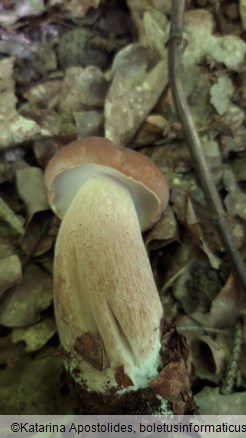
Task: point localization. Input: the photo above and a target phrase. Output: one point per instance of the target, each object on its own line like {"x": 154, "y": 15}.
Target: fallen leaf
{"x": 24, "y": 303}
{"x": 10, "y": 273}
{"x": 128, "y": 104}
{"x": 78, "y": 8}
{"x": 90, "y": 347}
{"x": 31, "y": 188}
{"x": 221, "y": 93}
{"x": 211, "y": 402}
{"x": 225, "y": 307}
{"x": 34, "y": 387}
{"x": 172, "y": 381}
{"x": 164, "y": 232}
{"x": 10, "y": 224}
{"x": 36, "y": 335}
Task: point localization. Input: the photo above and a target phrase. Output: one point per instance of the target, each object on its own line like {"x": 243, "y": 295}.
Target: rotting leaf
{"x": 173, "y": 157}
{"x": 36, "y": 335}
{"x": 74, "y": 49}
{"x": 7, "y": 247}
{"x": 79, "y": 9}
{"x": 10, "y": 224}
{"x": 197, "y": 84}
{"x": 37, "y": 240}
{"x": 132, "y": 62}
{"x": 213, "y": 157}
{"x": 242, "y": 9}
{"x": 24, "y": 303}
{"x": 235, "y": 200}
{"x": 34, "y": 387}
{"x": 228, "y": 49}
{"x": 10, "y": 354}
{"x": 46, "y": 148}
{"x": 82, "y": 90}
{"x": 6, "y": 77}
{"x": 31, "y": 188}
{"x": 156, "y": 30}
{"x": 14, "y": 129}
{"x": 89, "y": 123}
{"x": 225, "y": 307}
{"x": 179, "y": 261}
{"x": 128, "y": 103}
{"x": 209, "y": 356}
{"x": 139, "y": 7}
{"x": 199, "y": 24}
{"x": 196, "y": 231}
{"x": 10, "y": 273}
{"x": 45, "y": 95}
{"x": 238, "y": 167}
{"x": 197, "y": 286}
{"x": 221, "y": 93}
{"x": 164, "y": 232}
{"x": 211, "y": 402}
{"x": 172, "y": 381}
{"x": 154, "y": 128}
{"x": 47, "y": 120}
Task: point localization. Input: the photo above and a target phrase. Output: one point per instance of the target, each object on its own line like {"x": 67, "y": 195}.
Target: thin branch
{"x": 218, "y": 214}
{"x": 232, "y": 367}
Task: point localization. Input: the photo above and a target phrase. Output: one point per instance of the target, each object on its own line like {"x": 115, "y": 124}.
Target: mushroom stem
{"x": 107, "y": 306}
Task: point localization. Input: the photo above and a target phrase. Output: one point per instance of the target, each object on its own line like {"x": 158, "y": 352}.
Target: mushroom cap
{"x": 72, "y": 165}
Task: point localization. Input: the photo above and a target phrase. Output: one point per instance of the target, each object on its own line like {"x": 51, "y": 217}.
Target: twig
{"x": 231, "y": 372}
{"x": 197, "y": 328}
{"x": 218, "y": 216}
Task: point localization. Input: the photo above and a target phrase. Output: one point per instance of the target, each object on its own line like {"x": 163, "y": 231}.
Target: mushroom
{"x": 107, "y": 306}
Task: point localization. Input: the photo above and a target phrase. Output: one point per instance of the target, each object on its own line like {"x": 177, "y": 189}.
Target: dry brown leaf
{"x": 172, "y": 381}
{"x": 90, "y": 347}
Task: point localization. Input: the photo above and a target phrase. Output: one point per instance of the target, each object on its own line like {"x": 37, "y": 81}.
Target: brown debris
{"x": 121, "y": 378}
{"x": 90, "y": 347}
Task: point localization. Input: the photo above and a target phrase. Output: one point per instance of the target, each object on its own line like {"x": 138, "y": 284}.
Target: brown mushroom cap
{"x": 72, "y": 165}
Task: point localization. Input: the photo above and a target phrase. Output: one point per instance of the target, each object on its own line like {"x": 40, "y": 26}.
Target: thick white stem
{"x": 104, "y": 285}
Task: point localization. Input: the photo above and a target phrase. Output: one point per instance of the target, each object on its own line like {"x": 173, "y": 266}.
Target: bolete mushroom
{"x": 107, "y": 306}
